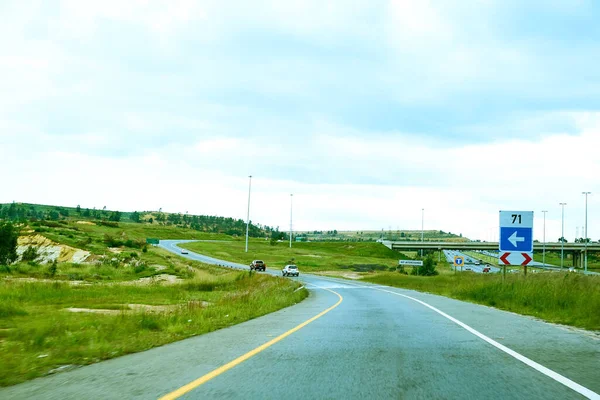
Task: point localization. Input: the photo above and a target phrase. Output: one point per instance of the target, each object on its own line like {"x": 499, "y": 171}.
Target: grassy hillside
{"x": 309, "y": 256}
{"x": 371, "y": 236}
{"x": 23, "y": 212}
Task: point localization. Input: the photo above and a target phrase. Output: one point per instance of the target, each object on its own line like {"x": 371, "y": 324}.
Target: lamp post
{"x": 248, "y": 215}
{"x": 586, "y": 234}
{"x": 422, "y": 222}
{"x": 544, "y": 238}
{"x": 291, "y": 198}
{"x": 562, "y": 235}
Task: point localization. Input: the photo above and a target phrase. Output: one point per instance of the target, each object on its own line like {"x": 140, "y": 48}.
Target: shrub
{"x": 30, "y": 254}
{"x": 53, "y": 268}
{"x": 427, "y": 269}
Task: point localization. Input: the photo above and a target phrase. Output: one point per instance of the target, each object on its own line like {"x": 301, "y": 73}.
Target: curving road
{"x": 366, "y": 342}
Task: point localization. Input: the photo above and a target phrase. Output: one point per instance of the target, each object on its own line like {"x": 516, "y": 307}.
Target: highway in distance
{"x": 350, "y": 340}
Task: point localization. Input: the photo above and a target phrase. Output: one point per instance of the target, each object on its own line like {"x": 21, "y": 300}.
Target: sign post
{"x": 458, "y": 262}
{"x": 516, "y": 238}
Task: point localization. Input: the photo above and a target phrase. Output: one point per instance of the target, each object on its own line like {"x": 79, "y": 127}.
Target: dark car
{"x": 258, "y": 265}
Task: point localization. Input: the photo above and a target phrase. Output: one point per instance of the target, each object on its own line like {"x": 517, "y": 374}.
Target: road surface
{"x": 363, "y": 341}
{"x": 469, "y": 262}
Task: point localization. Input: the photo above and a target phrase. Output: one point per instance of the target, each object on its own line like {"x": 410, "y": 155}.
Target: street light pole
{"x": 291, "y": 197}
{"x": 422, "y": 222}
{"x": 562, "y": 235}
{"x": 586, "y": 234}
{"x": 544, "y": 247}
{"x": 248, "y": 215}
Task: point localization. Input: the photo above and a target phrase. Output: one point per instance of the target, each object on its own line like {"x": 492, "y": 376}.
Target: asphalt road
{"x": 373, "y": 342}
{"x": 469, "y": 262}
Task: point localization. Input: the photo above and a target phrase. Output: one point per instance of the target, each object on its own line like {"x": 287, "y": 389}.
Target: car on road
{"x": 290, "y": 270}
{"x": 258, "y": 265}
{"x": 184, "y": 251}
{"x": 486, "y": 269}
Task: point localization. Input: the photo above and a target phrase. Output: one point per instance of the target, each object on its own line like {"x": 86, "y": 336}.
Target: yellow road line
{"x": 194, "y": 384}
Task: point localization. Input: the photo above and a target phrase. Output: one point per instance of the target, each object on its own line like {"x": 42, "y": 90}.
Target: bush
{"x": 30, "y": 254}
{"x": 52, "y": 269}
{"x": 427, "y": 269}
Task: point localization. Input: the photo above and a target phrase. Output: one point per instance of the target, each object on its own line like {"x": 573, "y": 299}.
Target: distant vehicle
{"x": 477, "y": 262}
{"x": 258, "y": 265}
{"x": 184, "y": 251}
{"x": 467, "y": 269}
{"x": 572, "y": 269}
{"x": 290, "y": 270}
{"x": 486, "y": 269}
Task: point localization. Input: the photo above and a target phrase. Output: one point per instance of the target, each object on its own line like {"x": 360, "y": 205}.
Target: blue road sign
{"x": 458, "y": 260}
{"x": 516, "y": 239}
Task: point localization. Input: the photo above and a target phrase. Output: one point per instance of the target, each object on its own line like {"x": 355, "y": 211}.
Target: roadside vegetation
{"x": 565, "y": 298}
{"x": 125, "y": 296}
{"x": 40, "y": 333}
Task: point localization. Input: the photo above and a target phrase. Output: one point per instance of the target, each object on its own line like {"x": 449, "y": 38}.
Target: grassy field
{"x": 309, "y": 256}
{"x": 142, "y": 297}
{"x": 566, "y": 298}
{"x": 39, "y": 334}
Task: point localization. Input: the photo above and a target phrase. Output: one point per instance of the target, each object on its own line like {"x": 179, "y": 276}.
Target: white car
{"x": 184, "y": 251}
{"x": 290, "y": 270}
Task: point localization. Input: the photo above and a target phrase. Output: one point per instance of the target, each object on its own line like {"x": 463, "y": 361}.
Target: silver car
{"x": 290, "y": 270}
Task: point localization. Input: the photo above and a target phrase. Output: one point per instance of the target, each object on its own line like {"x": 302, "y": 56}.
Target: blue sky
{"x": 367, "y": 111}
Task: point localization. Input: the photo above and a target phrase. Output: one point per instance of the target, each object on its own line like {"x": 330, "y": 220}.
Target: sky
{"x": 372, "y": 114}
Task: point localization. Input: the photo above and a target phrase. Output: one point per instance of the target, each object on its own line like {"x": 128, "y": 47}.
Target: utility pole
{"x": 248, "y": 215}
{"x": 562, "y": 235}
{"x": 291, "y": 198}
{"x": 544, "y": 247}
{"x": 586, "y": 233}
{"x": 422, "y": 224}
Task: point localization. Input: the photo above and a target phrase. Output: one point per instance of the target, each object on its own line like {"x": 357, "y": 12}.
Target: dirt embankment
{"x": 50, "y": 251}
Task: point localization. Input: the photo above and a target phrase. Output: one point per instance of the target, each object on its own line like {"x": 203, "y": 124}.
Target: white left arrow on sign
{"x": 514, "y": 239}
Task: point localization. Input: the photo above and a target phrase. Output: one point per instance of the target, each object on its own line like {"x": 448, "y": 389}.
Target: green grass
{"x": 566, "y": 298}
{"x": 37, "y": 334}
{"x": 309, "y": 256}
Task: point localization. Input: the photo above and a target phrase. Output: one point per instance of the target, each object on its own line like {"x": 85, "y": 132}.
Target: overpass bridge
{"x": 576, "y": 249}
{"x": 553, "y": 246}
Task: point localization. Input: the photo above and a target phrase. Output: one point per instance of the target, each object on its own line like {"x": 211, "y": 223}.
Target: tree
{"x": 8, "y": 243}
{"x": 115, "y": 216}
{"x": 427, "y": 269}
{"x": 135, "y": 216}
{"x": 78, "y": 209}
{"x": 562, "y": 239}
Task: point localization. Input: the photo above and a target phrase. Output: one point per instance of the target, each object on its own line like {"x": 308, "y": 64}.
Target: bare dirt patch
{"x": 85, "y": 223}
{"x": 347, "y": 275}
{"x": 140, "y": 308}
{"x": 73, "y": 283}
{"x": 165, "y": 279}
{"x": 313, "y": 255}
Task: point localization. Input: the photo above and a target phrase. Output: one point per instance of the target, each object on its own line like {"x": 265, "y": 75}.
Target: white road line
{"x": 540, "y": 368}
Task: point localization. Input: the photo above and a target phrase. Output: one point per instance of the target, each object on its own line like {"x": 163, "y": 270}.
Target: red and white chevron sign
{"x": 515, "y": 258}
